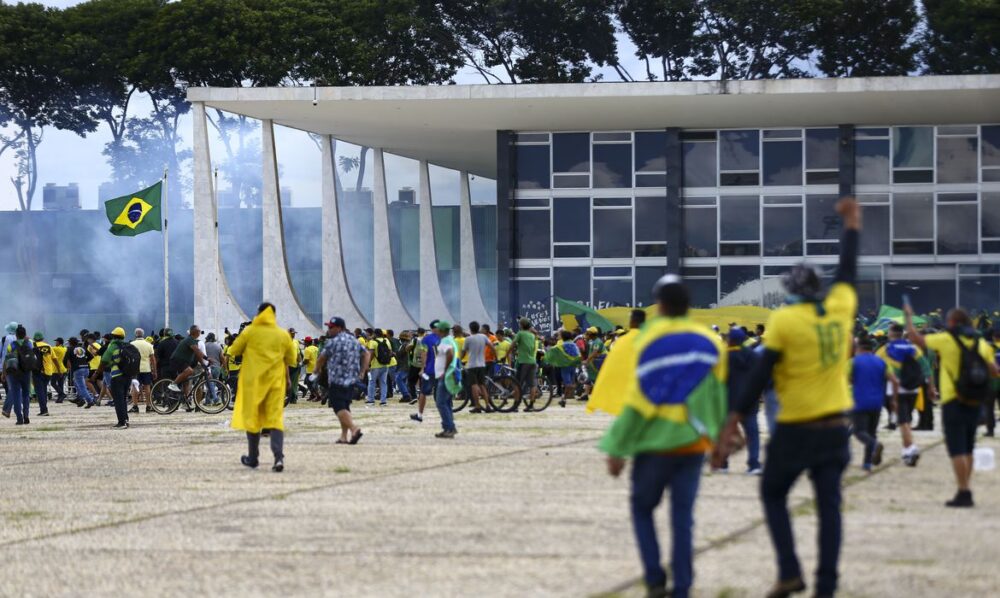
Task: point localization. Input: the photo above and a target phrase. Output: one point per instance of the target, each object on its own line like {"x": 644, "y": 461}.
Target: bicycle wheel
{"x": 163, "y": 399}
{"x": 503, "y": 394}
{"x": 459, "y": 401}
{"x": 203, "y": 396}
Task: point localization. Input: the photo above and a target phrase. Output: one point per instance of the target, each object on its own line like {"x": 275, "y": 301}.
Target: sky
{"x": 65, "y": 158}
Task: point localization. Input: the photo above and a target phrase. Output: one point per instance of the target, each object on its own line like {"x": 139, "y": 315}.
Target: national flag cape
{"x": 558, "y": 357}
{"x": 585, "y": 316}
{"x": 134, "y": 214}
{"x": 673, "y": 379}
{"x": 607, "y": 395}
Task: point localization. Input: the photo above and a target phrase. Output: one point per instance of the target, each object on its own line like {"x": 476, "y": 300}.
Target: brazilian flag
{"x": 134, "y": 214}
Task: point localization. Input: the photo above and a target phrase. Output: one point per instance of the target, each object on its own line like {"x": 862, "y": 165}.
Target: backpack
{"x": 27, "y": 360}
{"x": 128, "y": 359}
{"x": 40, "y": 353}
{"x": 911, "y": 375}
{"x": 383, "y": 352}
{"x": 974, "y": 381}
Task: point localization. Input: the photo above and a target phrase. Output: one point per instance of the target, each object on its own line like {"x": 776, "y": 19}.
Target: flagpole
{"x": 166, "y": 255}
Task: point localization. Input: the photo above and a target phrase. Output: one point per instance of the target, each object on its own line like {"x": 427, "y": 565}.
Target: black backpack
{"x": 974, "y": 382}
{"x": 128, "y": 359}
{"x": 911, "y": 375}
{"x": 27, "y": 359}
{"x": 383, "y": 352}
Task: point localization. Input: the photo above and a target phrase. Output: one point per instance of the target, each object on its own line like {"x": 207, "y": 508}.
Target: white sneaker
{"x": 755, "y": 471}
{"x": 172, "y": 387}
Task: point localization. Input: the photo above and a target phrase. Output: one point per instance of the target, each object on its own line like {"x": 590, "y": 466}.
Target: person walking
{"x": 345, "y": 363}
{"x": 147, "y": 365}
{"x": 677, "y": 365}
{"x": 260, "y": 398}
{"x": 428, "y": 379}
{"x": 474, "y": 349}
{"x": 742, "y": 361}
{"x": 869, "y": 375}
{"x": 912, "y": 372}
{"x": 807, "y": 350}
{"x": 445, "y": 365}
{"x": 18, "y": 362}
{"x": 402, "y": 369}
{"x": 381, "y": 363}
{"x": 43, "y": 372}
{"x": 295, "y": 370}
{"x": 58, "y": 381}
{"x": 119, "y": 383}
{"x": 526, "y": 362}
{"x": 78, "y": 364}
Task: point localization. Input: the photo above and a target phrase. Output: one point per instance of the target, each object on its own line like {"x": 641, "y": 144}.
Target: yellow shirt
{"x": 59, "y": 354}
{"x": 503, "y": 349}
{"x": 460, "y": 343}
{"x": 311, "y": 353}
{"x": 231, "y": 361}
{"x": 96, "y": 361}
{"x": 950, "y": 359}
{"x": 48, "y": 358}
{"x": 372, "y": 345}
{"x": 810, "y": 379}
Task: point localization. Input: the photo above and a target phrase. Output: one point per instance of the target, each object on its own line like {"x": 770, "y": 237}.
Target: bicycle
{"x": 504, "y": 393}
{"x": 166, "y": 401}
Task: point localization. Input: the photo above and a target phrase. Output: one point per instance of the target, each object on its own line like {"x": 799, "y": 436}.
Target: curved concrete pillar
{"x": 472, "y": 305}
{"x": 214, "y": 305}
{"x": 337, "y": 299}
{"x": 277, "y": 283}
{"x": 432, "y": 305}
{"x": 389, "y": 309}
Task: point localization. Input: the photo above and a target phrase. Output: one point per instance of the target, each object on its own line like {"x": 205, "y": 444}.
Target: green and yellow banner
{"x": 137, "y": 213}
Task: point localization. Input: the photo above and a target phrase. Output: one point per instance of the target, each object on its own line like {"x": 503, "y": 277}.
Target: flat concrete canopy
{"x": 455, "y": 125}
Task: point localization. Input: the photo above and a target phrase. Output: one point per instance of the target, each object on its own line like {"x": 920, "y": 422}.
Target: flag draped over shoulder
{"x": 558, "y": 357}
{"x": 137, "y": 213}
{"x": 585, "y": 316}
{"x": 673, "y": 381}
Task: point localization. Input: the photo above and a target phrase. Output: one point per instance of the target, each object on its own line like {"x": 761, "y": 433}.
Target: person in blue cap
{"x": 742, "y": 361}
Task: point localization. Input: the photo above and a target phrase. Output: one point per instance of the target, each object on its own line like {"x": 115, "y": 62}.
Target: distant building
{"x": 61, "y": 197}
{"x": 407, "y": 195}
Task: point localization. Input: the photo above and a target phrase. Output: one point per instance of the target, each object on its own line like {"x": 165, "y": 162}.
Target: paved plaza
{"x": 517, "y": 505}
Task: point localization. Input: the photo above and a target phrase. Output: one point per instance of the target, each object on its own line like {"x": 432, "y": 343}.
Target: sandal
{"x": 355, "y": 438}
{"x": 341, "y": 441}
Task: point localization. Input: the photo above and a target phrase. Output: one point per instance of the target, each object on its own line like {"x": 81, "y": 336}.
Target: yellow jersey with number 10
{"x": 810, "y": 378}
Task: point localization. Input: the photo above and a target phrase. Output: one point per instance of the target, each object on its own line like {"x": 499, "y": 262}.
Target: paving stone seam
{"x": 795, "y": 510}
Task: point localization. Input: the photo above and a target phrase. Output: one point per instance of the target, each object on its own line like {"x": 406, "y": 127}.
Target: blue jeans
{"x": 400, "y": 379}
{"x": 651, "y": 474}
{"x": 442, "y": 398}
{"x": 80, "y": 382}
{"x": 771, "y": 409}
{"x": 17, "y": 396}
{"x": 824, "y": 453}
{"x": 379, "y": 375}
{"x": 40, "y": 382}
{"x": 752, "y": 430}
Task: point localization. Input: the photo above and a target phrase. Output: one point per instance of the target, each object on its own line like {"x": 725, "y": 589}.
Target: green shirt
{"x": 524, "y": 348}
{"x": 110, "y": 357}
{"x": 184, "y": 352}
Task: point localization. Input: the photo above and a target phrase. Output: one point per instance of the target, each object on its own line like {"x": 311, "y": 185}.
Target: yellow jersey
{"x": 233, "y": 362}
{"x": 950, "y": 359}
{"x": 814, "y": 340}
{"x": 372, "y": 346}
{"x": 310, "y": 354}
{"x": 503, "y": 349}
{"x": 59, "y": 354}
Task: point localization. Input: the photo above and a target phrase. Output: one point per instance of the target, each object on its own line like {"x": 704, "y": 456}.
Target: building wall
{"x": 589, "y": 215}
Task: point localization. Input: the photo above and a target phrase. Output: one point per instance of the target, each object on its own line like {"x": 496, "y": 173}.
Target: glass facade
{"x": 592, "y": 227}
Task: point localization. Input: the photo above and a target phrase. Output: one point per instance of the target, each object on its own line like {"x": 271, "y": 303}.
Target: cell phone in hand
{"x": 906, "y": 300}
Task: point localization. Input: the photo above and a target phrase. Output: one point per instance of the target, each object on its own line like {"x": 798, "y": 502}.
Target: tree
{"x": 962, "y": 36}
{"x": 665, "y": 33}
{"x": 534, "y": 41}
{"x": 859, "y": 38}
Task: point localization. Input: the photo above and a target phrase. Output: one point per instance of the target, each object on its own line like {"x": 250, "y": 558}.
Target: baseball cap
{"x": 119, "y": 332}
{"x": 592, "y": 330}
{"x": 336, "y": 321}
{"x": 737, "y": 335}
{"x": 441, "y": 325}
{"x": 38, "y": 336}
{"x": 308, "y": 339}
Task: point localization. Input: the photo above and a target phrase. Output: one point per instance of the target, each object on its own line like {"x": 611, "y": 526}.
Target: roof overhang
{"x": 455, "y": 125}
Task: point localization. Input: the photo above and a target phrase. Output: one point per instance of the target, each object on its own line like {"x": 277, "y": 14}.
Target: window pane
{"x": 651, "y": 152}
{"x": 613, "y": 165}
{"x": 979, "y": 292}
{"x": 738, "y": 285}
{"x": 612, "y": 293}
{"x": 703, "y": 292}
{"x": 913, "y": 147}
{"x": 871, "y": 162}
{"x": 991, "y": 146}
{"x": 821, "y": 149}
{"x": 991, "y": 214}
{"x": 613, "y": 233}
{"x": 572, "y": 283}
{"x": 956, "y": 160}
{"x": 531, "y": 234}
{"x": 533, "y": 300}
{"x": 571, "y": 251}
{"x": 532, "y": 166}
{"x": 957, "y": 229}
{"x": 571, "y": 152}
{"x": 875, "y": 240}
{"x": 738, "y": 150}
{"x": 645, "y": 278}
{"x": 699, "y": 165}
{"x": 783, "y": 163}
{"x": 651, "y": 250}
{"x": 913, "y": 216}
{"x": 783, "y": 231}
{"x": 571, "y": 219}
{"x": 650, "y": 219}
{"x": 822, "y": 221}
{"x": 925, "y": 295}
{"x": 699, "y": 232}
{"x": 740, "y": 218}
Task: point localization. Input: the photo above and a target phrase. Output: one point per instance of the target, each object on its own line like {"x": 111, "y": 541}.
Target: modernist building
{"x": 601, "y": 188}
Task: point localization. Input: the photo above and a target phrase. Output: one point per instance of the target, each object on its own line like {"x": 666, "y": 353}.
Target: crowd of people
{"x": 680, "y": 392}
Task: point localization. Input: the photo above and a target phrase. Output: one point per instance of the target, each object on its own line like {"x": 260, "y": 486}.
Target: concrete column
{"x": 214, "y": 305}
{"x": 337, "y": 299}
{"x": 432, "y": 305}
{"x": 277, "y": 283}
{"x": 472, "y": 306}
{"x": 389, "y": 309}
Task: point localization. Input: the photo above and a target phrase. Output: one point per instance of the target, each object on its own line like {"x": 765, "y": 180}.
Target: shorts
{"x": 144, "y": 378}
{"x": 904, "y": 408}
{"x": 475, "y": 376}
{"x": 960, "y": 423}
{"x": 177, "y": 366}
{"x": 427, "y": 386}
{"x": 339, "y": 397}
{"x": 527, "y": 377}
{"x": 568, "y": 374}
{"x": 106, "y": 378}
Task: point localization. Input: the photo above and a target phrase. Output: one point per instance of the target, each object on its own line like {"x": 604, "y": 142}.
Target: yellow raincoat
{"x": 267, "y": 355}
